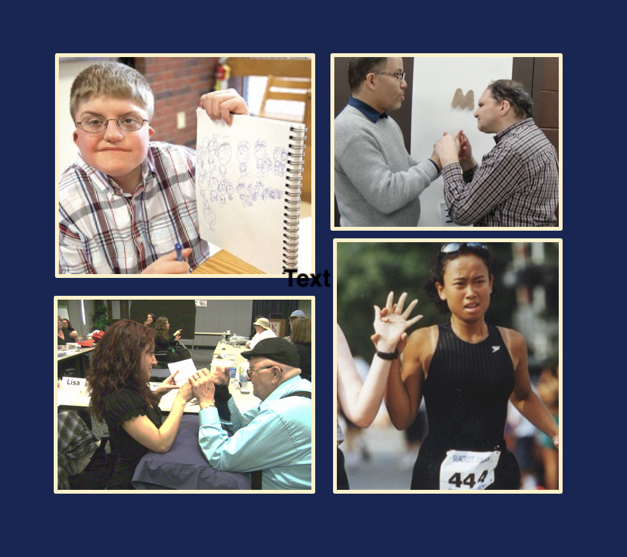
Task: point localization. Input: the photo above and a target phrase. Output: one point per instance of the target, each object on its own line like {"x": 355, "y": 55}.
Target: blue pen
{"x": 179, "y": 251}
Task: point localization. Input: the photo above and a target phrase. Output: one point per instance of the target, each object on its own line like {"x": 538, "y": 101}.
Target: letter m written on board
{"x": 462, "y": 101}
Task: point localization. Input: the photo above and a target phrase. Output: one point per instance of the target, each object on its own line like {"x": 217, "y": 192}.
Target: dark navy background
{"x": 583, "y": 518}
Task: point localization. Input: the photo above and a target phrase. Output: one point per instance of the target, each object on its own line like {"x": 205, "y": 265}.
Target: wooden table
{"x": 225, "y": 263}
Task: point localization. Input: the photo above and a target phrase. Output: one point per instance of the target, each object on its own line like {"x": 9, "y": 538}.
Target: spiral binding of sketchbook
{"x": 248, "y": 188}
{"x": 294, "y": 179}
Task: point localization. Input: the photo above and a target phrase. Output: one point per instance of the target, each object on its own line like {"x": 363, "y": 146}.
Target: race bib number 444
{"x": 468, "y": 469}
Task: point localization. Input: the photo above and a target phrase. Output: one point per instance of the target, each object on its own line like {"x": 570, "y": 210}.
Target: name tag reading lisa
{"x": 73, "y": 384}
{"x": 468, "y": 470}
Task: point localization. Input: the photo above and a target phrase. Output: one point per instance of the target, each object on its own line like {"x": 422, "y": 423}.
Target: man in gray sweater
{"x": 377, "y": 183}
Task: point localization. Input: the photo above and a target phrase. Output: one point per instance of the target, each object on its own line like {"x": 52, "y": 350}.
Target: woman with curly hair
{"x": 118, "y": 385}
{"x": 170, "y": 344}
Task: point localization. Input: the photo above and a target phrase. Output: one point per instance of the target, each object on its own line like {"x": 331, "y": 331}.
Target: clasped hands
{"x": 201, "y": 385}
{"x": 454, "y": 148}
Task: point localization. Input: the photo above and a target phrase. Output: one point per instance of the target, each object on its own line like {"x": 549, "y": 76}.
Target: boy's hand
{"x": 168, "y": 265}
{"x": 221, "y": 104}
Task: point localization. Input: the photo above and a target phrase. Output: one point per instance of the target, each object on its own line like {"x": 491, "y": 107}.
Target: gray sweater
{"x": 377, "y": 183}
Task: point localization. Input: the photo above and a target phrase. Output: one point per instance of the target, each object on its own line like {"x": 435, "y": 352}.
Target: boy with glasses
{"x": 127, "y": 201}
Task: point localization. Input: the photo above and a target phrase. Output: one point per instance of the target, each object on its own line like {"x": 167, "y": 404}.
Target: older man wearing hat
{"x": 263, "y": 330}
{"x": 273, "y": 441}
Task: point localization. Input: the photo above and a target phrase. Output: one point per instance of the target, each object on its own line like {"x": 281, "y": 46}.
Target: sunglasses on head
{"x": 454, "y": 247}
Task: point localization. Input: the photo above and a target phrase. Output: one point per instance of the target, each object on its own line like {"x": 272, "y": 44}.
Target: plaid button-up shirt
{"x": 102, "y": 230}
{"x": 516, "y": 184}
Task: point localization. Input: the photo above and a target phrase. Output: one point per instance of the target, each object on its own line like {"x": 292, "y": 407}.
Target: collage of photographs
{"x": 406, "y": 237}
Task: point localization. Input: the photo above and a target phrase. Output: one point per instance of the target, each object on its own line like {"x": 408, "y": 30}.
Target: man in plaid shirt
{"x": 127, "y": 201}
{"x": 517, "y": 182}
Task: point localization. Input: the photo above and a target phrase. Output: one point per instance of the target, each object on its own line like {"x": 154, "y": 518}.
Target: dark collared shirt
{"x": 367, "y": 110}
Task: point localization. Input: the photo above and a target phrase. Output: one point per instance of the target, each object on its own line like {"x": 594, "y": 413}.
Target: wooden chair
{"x": 294, "y": 90}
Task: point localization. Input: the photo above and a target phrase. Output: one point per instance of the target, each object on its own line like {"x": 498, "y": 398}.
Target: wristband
{"x": 209, "y": 405}
{"x": 388, "y": 355}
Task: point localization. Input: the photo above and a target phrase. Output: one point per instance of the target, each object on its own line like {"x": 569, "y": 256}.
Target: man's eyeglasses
{"x": 251, "y": 370}
{"x": 454, "y": 247}
{"x": 400, "y": 76}
{"x": 95, "y": 124}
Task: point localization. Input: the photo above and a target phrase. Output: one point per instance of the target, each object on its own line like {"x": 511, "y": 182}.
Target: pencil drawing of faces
{"x": 280, "y": 158}
{"x": 212, "y": 149}
{"x": 269, "y": 194}
{"x": 225, "y": 187}
{"x": 224, "y": 153}
{"x": 212, "y": 187}
{"x": 210, "y": 216}
{"x": 260, "y": 149}
{"x": 243, "y": 151}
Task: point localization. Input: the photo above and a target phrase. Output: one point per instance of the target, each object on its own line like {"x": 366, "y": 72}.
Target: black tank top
{"x": 466, "y": 393}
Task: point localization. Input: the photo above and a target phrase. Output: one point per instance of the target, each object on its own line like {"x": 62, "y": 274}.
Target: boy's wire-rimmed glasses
{"x": 125, "y": 123}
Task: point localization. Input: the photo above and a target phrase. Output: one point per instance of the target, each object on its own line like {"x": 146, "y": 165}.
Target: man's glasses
{"x": 94, "y": 124}
{"x": 400, "y": 76}
{"x": 454, "y": 247}
{"x": 251, "y": 370}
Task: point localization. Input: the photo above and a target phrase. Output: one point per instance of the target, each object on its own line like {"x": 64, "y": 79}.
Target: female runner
{"x": 467, "y": 370}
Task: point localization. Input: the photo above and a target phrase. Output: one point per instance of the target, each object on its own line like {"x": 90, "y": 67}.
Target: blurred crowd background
{"x": 526, "y": 297}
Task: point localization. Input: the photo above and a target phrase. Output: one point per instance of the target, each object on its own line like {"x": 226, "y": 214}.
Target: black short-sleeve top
{"x": 120, "y": 407}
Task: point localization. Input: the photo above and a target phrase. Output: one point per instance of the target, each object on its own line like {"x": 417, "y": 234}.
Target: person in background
{"x": 548, "y": 390}
{"x": 63, "y": 335}
{"x": 164, "y": 342}
{"x": 517, "y": 183}
{"x": 262, "y": 331}
{"x": 150, "y": 320}
{"x": 273, "y": 441}
{"x": 295, "y": 315}
{"x": 301, "y": 339}
{"x": 118, "y": 377}
{"x": 72, "y": 332}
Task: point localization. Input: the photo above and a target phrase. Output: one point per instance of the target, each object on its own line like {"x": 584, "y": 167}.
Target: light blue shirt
{"x": 275, "y": 438}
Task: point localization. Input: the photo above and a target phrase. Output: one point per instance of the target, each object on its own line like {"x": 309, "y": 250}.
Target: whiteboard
{"x": 435, "y": 81}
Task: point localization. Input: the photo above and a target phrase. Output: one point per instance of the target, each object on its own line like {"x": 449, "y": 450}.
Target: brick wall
{"x": 177, "y": 84}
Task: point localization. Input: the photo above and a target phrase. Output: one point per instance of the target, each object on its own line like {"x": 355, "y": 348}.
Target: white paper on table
{"x": 185, "y": 368}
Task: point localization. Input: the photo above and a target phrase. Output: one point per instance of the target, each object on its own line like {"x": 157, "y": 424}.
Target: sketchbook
{"x": 248, "y": 183}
